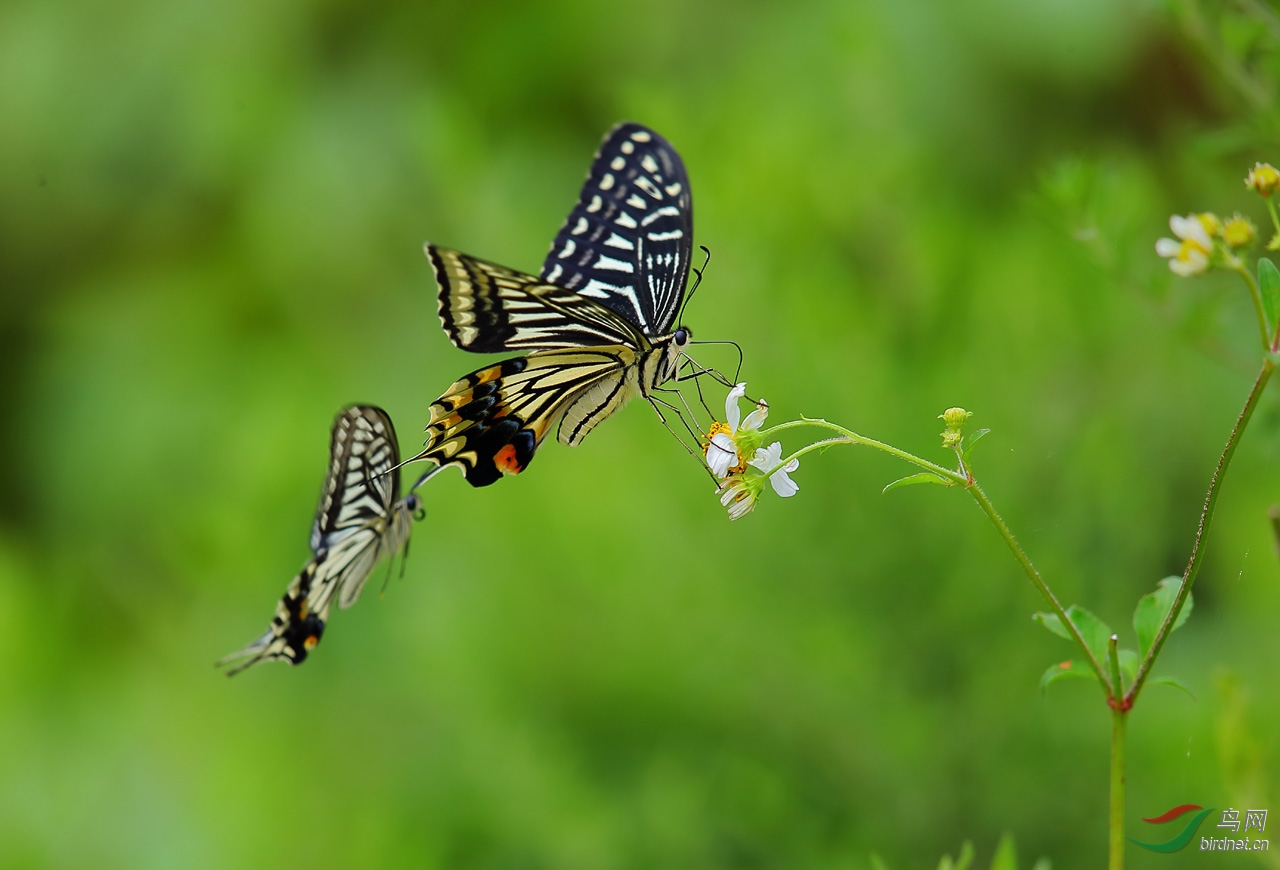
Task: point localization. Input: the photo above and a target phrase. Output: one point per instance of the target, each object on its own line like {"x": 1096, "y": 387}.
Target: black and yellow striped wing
{"x": 360, "y": 519}
{"x": 594, "y": 322}
{"x": 487, "y": 308}
{"x": 491, "y": 421}
{"x": 627, "y": 242}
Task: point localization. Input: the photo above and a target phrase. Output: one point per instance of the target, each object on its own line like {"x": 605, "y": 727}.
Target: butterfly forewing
{"x": 627, "y": 242}
{"x": 361, "y": 483}
{"x": 488, "y": 308}
{"x": 359, "y": 520}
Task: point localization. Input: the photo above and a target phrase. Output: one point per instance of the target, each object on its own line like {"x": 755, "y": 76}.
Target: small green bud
{"x": 954, "y": 418}
{"x": 1274, "y": 244}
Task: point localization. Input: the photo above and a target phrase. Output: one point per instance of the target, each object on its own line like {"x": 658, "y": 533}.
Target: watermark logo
{"x": 1254, "y": 820}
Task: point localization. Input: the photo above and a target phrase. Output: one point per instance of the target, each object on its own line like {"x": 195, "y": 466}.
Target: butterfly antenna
{"x": 737, "y": 372}
{"x": 696, "y": 282}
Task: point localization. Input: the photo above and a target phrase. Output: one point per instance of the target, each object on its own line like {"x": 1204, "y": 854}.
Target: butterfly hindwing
{"x": 627, "y": 242}
{"x": 359, "y": 520}
{"x": 491, "y": 421}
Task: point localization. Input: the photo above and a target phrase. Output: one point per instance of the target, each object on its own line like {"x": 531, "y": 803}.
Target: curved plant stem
{"x": 851, "y": 437}
{"x": 1197, "y": 549}
{"x": 1037, "y": 581}
{"x": 1256, "y": 294}
{"x": 966, "y": 480}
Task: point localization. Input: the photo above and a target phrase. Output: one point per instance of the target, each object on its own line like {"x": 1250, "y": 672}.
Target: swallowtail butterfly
{"x": 360, "y": 519}
{"x": 597, "y": 322}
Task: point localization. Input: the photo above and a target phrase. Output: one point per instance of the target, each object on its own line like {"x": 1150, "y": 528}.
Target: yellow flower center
{"x": 718, "y": 428}
{"x": 1189, "y": 249}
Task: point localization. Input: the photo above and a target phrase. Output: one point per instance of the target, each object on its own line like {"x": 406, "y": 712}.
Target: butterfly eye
{"x": 681, "y": 336}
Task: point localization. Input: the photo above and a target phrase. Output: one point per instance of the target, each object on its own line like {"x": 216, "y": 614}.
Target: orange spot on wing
{"x": 310, "y": 643}
{"x": 505, "y": 460}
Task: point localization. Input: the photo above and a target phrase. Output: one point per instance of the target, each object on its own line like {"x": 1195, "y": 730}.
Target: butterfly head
{"x": 663, "y": 361}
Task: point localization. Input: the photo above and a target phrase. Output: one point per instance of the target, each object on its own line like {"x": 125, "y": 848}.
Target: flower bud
{"x": 955, "y": 418}
{"x": 1238, "y": 232}
{"x": 1211, "y": 222}
{"x": 1263, "y": 179}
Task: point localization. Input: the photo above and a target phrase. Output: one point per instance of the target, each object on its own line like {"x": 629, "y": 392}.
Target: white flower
{"x": 1190, "y": 256}
{"x": 730, "y": 442}
{"x": 739, "y": 494}
{"x": 769, "y": 460}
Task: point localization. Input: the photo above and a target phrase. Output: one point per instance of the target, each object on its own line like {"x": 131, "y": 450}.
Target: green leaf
{"x": 1006, "y": 855}
{"x": 1053, "y": 623}
{"x": 1153, "y": 608}
{"x": 1095, "y": 632}
{"x": 1068, "y": 670}
{"x": 1269, "y": 283}
{"x": 1167, "y": 680}
{"x": 922, "y": 477}
{"x": 966, "y": 446}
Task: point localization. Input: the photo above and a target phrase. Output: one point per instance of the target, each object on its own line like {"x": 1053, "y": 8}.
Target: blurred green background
{"x": 211, "y": 219}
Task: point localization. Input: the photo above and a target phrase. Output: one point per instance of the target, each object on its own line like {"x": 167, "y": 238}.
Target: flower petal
{"x": 768, "y": 458}
{"x": 721, "y": 454}
{"x": 1167, "y": 247}
{"x": 756, "y": 417}
{"x": 731, "y": 413}
{"x": 783, "y": 485}
{"x": 1192, "y": 229}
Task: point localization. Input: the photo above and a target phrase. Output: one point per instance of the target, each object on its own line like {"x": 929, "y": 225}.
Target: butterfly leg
{"x": 697, "y": 454}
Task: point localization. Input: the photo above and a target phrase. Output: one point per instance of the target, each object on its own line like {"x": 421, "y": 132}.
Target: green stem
{"x": 1037, "y": 581}
{"x": 1275, "y": 219}
{"x": 851, "y": 437}
{"x": 1263, "y": 327}
{"x": 1197, "y": 548}
{"x": 1115, "y": 851}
